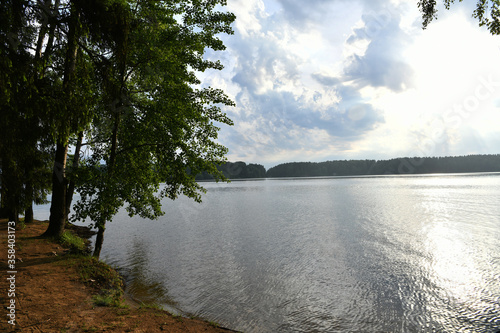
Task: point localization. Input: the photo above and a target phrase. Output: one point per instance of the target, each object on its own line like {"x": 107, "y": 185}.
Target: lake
{"x": 367, "y": 254}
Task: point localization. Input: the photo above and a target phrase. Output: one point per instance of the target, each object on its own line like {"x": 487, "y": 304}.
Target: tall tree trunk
{"x": 28, "y": 214}
{"x": 117, "y": 92}
{"x": 74, "y": 166}
{"x": 58, "y": 203}
{"x": 28, "y": 211}
{"x": 111, "y": 165}
{"x": 14, "y": 214}
{"x": 57, "y": 218}
{"x": 3, "y": 210}
{"x": 11, "y": 186}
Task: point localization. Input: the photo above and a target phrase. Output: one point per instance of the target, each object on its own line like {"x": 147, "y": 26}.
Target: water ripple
{"x": 332, "y": 255}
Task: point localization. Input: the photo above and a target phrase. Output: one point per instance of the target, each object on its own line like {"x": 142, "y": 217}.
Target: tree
{"x": 42, "y": 85}
{"x": 487, "y": 12}
{"x": 152, "y": 130}
{"x": 24, "y": 150}
{"x": 73, "y": 114}
{"x": 118, "y": 77}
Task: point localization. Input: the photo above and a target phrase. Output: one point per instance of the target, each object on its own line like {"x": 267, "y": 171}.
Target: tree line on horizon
{"x": 395, "y": 166}
{"x": 236, "y": 170}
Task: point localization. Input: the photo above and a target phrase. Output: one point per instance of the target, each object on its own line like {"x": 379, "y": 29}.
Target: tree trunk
{"x": 98, "y": 242}
{"x": 50, "y": 41}
{"x": 74, "y": 166}
{"x": 43, "y": 29}
{"x": 121, "y": 51}
{"x": 28, "y": 211}
{"x": 14, "y": 215}
{"x": 28, "y": 214}
{"x": 11, "y": 186}
{"x": 49, "y": 24}
{"x": 58, "y": 204}
{"x": 57, "y": 218}
{"x": 111, "y": 165}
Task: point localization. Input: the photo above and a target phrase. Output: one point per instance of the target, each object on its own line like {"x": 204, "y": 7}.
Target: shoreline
{"x": 51, "y": 296}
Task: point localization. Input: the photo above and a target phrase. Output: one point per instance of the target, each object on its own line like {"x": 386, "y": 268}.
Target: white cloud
{"x": 249, "y": 14}
{"x": 356, "y": 79}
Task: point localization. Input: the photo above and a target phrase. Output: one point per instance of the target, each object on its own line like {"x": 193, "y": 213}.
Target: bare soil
{"x": 51, "y": 297}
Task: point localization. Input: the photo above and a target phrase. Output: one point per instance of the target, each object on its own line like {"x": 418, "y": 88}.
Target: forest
{"x": 396, "y": 166}
{"x": 236, "y": 170}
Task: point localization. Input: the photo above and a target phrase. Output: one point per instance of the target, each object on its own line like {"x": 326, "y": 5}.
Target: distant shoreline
{"x": 340, "y": 168}
{"x": 415, "y": 175}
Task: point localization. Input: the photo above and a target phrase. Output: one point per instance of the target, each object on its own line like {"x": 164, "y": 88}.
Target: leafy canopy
{"x": 487, "y": 12}
{"x": 154, "y": 128}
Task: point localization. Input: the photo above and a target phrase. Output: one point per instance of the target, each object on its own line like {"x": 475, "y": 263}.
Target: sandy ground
{"x": 50, "y": 296}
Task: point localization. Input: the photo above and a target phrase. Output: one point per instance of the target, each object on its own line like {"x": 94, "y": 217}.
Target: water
{"x": 371, "y": 254}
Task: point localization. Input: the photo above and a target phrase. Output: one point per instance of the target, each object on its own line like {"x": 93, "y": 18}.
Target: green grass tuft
{"x": 109, "y": 298}
{"x": 150, "y": 306}
{"x": 179, "y": 318}
{"x": 73, "y": 242}
{"x": 98, "y": 274}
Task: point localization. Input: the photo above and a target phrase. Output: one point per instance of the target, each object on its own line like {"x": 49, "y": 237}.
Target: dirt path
{"x": 50, "y": 296}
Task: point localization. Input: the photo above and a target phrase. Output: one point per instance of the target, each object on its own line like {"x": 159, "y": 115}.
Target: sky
{"x": 356, "y": 79}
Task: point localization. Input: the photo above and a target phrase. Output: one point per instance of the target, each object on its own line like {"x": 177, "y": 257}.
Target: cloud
{"x": 269, "y": 80}
{"x": 284, "y": 103}
{"x": 249, "y": 14}
{"x": 331, "y": 78}
{"x": 299, "y": 13}
{"x": 382, "y": 64}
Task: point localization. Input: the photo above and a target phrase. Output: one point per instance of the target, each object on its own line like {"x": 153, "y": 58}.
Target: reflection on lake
{"x": 382, "y": 254}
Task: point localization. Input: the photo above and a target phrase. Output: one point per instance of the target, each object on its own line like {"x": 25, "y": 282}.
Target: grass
{"x": 150, "y": 306}
{"x": 179, "y": 318}
{"x": 21, "y": 225}
{"x": 109, "y": 298}
{"x": 101, "y": 277}
{"x": 94, "y": 273}
{"x": 98, "y": 274}
{"x": 73, "y": 242}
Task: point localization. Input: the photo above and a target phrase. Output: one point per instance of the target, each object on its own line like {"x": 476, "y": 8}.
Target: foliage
{"x": 236, "y": 170}
{"x": 151, "y": 124}
{"x": 24, "y": 150}
{"x": 487, "y": 12}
